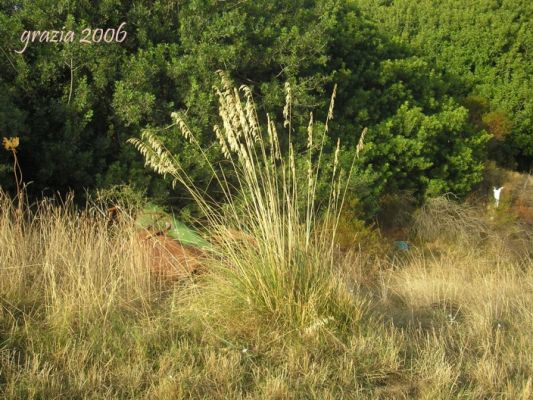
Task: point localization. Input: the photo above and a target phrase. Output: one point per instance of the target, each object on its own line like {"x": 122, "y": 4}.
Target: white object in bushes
{"x": 497, "y": 193}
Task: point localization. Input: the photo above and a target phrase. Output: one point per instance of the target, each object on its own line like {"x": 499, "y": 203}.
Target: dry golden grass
{"x": 81, "y": 317}
{"x": 286, "y": 315}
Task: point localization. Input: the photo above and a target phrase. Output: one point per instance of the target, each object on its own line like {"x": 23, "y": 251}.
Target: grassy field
{"x": 82, "y": 317}
{"x": 298, "y": 305}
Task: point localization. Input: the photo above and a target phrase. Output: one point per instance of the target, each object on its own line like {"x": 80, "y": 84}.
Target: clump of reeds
{"x": 285, "y": 272}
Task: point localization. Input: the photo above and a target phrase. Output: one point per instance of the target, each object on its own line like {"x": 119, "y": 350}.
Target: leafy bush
{"x": 484, "y": 50}
{"x": 76, "y": 113}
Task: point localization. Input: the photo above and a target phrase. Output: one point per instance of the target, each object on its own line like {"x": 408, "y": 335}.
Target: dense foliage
{"x": 486, "y": 45}
{"x": 74, "y": 105}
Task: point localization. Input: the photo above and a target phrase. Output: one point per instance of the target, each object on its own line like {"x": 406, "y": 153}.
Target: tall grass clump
{"x": 275, "y": 254}
{"x": 67, "y": 264}
{"x": 69, "y": 287}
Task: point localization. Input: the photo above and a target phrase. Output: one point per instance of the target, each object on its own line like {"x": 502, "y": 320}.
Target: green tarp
{"x": 154, "y": 219}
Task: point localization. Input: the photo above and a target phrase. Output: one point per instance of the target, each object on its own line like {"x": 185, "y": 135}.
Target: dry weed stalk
{"x": 11, "y": 144}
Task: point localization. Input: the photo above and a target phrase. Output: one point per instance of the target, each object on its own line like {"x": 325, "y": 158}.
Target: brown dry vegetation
{"x": 82, "y": 317}
{"x": 294, "y": 313}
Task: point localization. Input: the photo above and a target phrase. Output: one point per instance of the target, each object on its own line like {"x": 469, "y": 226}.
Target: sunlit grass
{"x": 81, "y": 317}
{"x": 279, "y": 312}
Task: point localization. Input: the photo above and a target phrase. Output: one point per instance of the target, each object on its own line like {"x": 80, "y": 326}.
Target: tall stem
{"x": 18, "y": 180}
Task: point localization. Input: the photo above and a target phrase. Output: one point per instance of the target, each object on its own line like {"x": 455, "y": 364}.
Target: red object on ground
{"x": 169, "y": 259}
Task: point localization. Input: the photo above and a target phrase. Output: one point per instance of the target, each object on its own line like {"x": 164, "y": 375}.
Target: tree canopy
{"x": 74, "y": 104}
{"x": 486, "y": 46}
